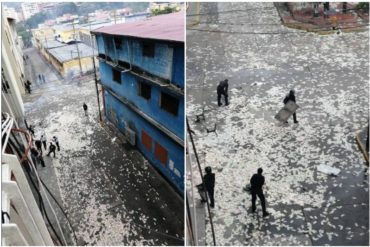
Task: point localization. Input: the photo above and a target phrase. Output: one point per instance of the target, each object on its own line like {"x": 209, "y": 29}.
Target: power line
{"x": 37, "y": 189}
{"x": 61, "y": 208}
{"x": 190, "y": 133}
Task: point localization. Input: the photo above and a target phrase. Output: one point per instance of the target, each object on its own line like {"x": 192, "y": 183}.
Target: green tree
{"x": 364, "y": 6}
{"x": 36, "y": 19}
{"x": 22, "y": 31}
{"x": 166, "y": 10}
{"x": 67, "y": 8}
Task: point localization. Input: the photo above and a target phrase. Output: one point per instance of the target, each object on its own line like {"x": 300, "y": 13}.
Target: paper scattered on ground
{"x": 330, "y": 75}
{"x": 328, "y": 170}
{"x": 112, "y": 195}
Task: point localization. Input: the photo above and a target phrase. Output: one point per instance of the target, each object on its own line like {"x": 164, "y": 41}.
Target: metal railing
{"x": 22, "y": 219}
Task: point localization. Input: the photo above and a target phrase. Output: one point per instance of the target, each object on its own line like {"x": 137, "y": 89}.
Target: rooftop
{"x": 163, "y": 27}
{"x": 69, "y": 52}
{"x": 51, "y": 43}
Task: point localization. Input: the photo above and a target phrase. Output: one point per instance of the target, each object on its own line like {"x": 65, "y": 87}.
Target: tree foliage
{"x": 36, "y": 19}
{"x": 363, "y": 6}
{"x": 24, "y": 33}
{"x": 166, "y": 10}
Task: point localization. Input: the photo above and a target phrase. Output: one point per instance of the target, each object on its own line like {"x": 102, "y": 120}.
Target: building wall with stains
{"x": 167, "y": 62}
{"x": 129, "y": 89}
{"x": 72, "y": 67}
{"x": 172, "y": 164}
{"x": 130, "y": 95}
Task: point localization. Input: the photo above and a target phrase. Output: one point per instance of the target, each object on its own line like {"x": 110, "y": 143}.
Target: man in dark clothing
{"x": 226, "y": 86}
{"x": 41, "y": 159}
{"x": 31, "y": 130}
{"x": 28, "y": 86}
{"x": 43, "y": 140}
{"x": 291, "y": 97}
{"x": 257, "y": 181}
{"x": 51, "y": 149}
{"x": 34, "y": 155}
{"x": 85, "y": 108}
{"x": 55, "y": 140}
{"x": 209, "y": 184}
{"x": 38, "y": 144}
{"x": 222, "y": 90}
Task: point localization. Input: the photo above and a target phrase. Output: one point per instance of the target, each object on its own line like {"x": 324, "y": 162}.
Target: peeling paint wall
{"x": 129, "y": 90}
{"x": 167, "y": 63}
{"x": 121, "y": 115}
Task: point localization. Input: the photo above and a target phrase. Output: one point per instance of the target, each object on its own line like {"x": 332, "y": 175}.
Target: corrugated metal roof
{"x": 162, "y": 27}
{"x": 51, "y": 43}
{"x": 69, "y": 52}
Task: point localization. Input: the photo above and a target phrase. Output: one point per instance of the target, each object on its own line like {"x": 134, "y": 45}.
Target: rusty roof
{"x": 163, "y": 27}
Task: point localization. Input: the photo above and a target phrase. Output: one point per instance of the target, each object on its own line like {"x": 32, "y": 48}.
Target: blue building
{"x": 142, "y": 76}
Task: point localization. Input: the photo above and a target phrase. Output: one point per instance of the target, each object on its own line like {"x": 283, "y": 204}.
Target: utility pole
{"x": 78, "y": 51}
{"x": 114, "y": 13}
{"x": 47, "y": 47}
{"x": 96, "y": 79}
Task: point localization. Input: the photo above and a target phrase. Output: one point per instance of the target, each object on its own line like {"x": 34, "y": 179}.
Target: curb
{"x": 362, "y": 148}
{"x": 300, "y": 25}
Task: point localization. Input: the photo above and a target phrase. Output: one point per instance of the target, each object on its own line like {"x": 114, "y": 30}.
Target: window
{"x": 146, "y": 140}
{"x": 144, "y": 90}
{"x": 148, "y": 49}
{"x": 161, "y": 153}
{"x": 108, "y": 43}
{"x": 116, "y": 75}
{"x": 117, "y": 43}
{"x": 169, "y": 103}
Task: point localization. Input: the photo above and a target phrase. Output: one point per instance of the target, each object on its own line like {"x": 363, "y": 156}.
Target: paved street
{"x": 111, "y": 194}
{"x": 263, "y": 60}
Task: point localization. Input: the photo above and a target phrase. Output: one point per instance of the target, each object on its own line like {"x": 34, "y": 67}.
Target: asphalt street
{"x": 262, "y": 59}
{"x": 111, "y": 194}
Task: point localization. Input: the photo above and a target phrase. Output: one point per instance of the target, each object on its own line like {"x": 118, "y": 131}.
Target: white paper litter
{"x": 328, "y": 170}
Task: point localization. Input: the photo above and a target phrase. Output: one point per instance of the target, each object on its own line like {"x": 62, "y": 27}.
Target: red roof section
{"x": 163, "y": 27}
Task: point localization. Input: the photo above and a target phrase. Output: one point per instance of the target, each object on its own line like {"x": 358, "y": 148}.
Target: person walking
{"x": 28, "y": 86}
{"x": 41, "y": 160}
{"x": 43, "y": 140}
{"x": 209, "y": 184}
{"x": 85, "y": 108}
{"x": 38, "y": 145}
{"x": 291, "y": 97}
{"x": 51, "y": 149}
{"x": 31, "y": 130}
{"x": 257, "y": 181}
{"x": 34, "y": 155}
{"x": 43, "y": 78}
{"x": 222, "y": 90}
{"x": 56, "y": 141}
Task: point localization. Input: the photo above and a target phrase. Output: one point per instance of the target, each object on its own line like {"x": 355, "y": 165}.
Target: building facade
{"x": 12, "y": 71}
{"x": 68, "y": 60}
{"x": 29, "y": 9}
{"x": 142, "y": 75}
